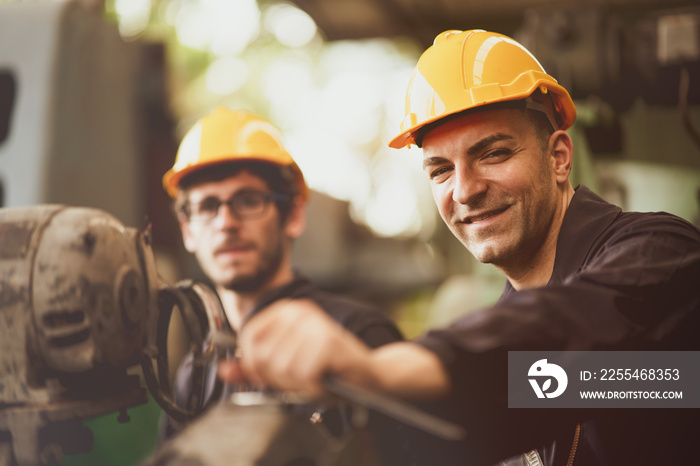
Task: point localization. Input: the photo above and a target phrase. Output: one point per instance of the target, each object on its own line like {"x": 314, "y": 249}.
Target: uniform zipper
{"x": 574, "y": 445}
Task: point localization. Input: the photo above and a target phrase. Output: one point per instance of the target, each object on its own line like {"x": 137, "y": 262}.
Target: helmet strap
{"x": 532, "y": 103}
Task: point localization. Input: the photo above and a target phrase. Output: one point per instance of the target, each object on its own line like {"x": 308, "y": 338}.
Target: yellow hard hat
{"x": 225, "y": 136}
{"x": 470, "y": 69}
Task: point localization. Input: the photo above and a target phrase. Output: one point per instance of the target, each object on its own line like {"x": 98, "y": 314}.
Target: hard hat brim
{"x": 563, "y": 101}
{"x": 173, "y": 179}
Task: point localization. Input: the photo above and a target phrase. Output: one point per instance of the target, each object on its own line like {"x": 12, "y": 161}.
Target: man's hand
{"x": 292, "y": 344}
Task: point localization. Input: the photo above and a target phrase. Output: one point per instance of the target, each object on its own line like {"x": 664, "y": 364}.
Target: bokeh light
{"x": 222, "y": 27}
{"x": 226, "y": 75}
{"x": 290, "y": 25}
{"x": 133, "y": 16}
{"x": 337, "y": 103}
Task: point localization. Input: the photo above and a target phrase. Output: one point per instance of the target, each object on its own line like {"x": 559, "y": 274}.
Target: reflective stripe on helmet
{"x": 226, "y": 136}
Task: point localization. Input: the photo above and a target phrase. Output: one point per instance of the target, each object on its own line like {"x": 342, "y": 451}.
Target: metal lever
{"x": 391, "y": 407}
{"x": 394, "y": 408}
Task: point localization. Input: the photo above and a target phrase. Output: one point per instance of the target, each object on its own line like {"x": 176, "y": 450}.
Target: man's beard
{"x": 268, "y": 267}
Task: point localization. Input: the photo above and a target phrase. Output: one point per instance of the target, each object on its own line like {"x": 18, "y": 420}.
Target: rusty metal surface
{"x": 73, "y": 296}
{"x": 78, "y": 294}
{"x": 89, "y": 296}
{"x": 19, "y": 233}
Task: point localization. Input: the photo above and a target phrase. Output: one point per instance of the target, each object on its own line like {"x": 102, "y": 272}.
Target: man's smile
{"x": 482, "y": 216}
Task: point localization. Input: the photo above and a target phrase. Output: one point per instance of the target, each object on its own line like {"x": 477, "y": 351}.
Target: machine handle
{"x": 196, "y": 304}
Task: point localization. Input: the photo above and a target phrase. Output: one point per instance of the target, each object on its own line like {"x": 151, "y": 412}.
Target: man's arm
{"x": 293, "y": 344}
{"x": 637, "y": 289}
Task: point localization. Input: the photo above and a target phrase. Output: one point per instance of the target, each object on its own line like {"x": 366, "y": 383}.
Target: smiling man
{"x": 581, "y": 275}
{"x": 499, "y": 190}
{"x": 240, "y": 200}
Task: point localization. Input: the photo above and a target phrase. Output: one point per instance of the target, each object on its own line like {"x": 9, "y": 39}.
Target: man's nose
{"x": 468, "y": 185}
{"x": 226, "y": 218}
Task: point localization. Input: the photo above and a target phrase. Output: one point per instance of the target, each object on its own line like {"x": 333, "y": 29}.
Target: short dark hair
{"x": 543, "y": 127}
{"x": 278, "y": 178}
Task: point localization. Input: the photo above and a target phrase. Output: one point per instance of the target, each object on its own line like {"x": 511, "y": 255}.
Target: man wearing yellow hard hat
{"x": 240, "y": 200}
{"x": 584, "y": 280}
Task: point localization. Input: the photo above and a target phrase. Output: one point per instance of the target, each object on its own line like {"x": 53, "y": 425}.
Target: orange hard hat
{"x": 225, "y": 136}
{"x": 463, "y": 70}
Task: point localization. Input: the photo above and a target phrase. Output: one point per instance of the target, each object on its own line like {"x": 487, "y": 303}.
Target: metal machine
{"x": 79, "y": 305}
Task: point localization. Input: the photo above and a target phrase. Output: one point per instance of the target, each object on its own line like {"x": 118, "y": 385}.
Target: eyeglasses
{"x": 245, "y": 204}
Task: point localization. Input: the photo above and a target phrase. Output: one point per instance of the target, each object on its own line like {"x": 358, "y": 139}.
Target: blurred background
{"x": 95, "y": 96}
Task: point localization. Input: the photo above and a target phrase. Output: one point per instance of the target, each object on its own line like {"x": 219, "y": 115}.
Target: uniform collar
{"x": 298, "y": 287}
{"x": 587, "y": 217}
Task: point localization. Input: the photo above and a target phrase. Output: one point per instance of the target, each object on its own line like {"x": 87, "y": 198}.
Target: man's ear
{"x": 562, "y": 150}
{"x": 296, "y": 219}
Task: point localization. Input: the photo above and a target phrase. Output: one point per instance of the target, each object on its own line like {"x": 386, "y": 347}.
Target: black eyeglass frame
{"x": 266, "y": 197}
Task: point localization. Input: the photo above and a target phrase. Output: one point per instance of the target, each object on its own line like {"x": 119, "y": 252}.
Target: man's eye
{"x": 209, "y": 205}
{"x": 497, "y": 153}
{"x": 438, "y": 172}
{"x": 249, "y": 200}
